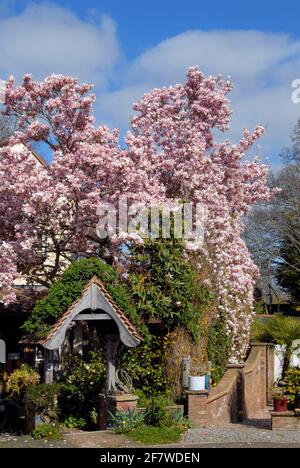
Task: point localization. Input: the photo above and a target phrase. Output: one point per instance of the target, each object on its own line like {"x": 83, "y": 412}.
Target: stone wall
{"x": 225, "y": 401}
{"x": 255, "y": 381}
{"x": 110, "y": 404}
{"x": 285, "y": 421}
{"x": 242, "y": 394}
{"x": 220, "y": 406}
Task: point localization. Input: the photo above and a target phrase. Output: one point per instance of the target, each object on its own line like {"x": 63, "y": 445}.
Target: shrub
{"x": 292, "y": 387}
{"x": 180, "y": 420}
{"x": 143, "y": 398}
{"x": 20, "y": 380}
{"x": 74, "y": 422}
{"x": 1, "y": 377}
{"x": 144, "y": 364}
{"x": 42, "y": 398}
{"x": 156, "y": 412}
{"x": 278, "y": 392}
{"x": 125, "y": 421}
{"x": 82, "y": 377}
{"x": 281, "y": 330}
{"x": 46, "y": 431}
{"x": 260, "y": 308}
{"x": 81, "y": 385}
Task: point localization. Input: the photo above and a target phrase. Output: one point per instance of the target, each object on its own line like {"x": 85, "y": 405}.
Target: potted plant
{"x": 280, "y": 400}
{"x": 197, "y": 381}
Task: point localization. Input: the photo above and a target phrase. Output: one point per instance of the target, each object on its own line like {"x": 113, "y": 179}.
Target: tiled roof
{"x": 95, "y": 280}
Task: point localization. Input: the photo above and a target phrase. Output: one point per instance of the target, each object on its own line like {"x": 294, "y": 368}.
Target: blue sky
{"x": 127, "y": 47}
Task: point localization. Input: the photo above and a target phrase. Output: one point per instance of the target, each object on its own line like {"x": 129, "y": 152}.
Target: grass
{"x": 150, "y": 435}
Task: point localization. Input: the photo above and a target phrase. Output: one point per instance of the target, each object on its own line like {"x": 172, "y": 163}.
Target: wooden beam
{"x": 95, "y": 300}
{"x": 88, "y": 317}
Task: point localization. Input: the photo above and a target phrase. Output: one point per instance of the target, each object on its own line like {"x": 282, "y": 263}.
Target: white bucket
{"x": 196, "y": 384}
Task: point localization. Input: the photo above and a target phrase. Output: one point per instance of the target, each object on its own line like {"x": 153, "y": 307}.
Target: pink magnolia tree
{"x": 48, "y": 213}
{"x": 170, "y": 155}
{"x": 174, "y": 128}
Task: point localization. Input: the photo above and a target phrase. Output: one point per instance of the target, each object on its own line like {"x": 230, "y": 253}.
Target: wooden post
{"x": 2, "y": 352}
{"x": 186, "y": 371}
{"x": 48, "y": 367}
{"x": 112, "y": 344}
{"x": 77, "y": 339}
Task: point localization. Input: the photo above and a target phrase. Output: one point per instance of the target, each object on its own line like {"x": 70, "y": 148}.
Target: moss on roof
{"x": 68, "y": 289}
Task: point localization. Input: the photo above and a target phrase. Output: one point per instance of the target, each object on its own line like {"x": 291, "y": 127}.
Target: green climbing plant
{"x": 218, "y": 348}
{"x": 165, "y": 286}
{"x": 69, "y": 287}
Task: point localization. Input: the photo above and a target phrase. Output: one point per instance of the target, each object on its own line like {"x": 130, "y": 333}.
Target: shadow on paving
{"x": 259, "y": 423}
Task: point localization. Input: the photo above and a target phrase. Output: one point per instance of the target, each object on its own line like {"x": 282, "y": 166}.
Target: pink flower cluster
{"x": 171, "y": 155}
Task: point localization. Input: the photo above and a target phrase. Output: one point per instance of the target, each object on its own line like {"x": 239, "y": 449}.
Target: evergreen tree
{"x": 165, "y": 286}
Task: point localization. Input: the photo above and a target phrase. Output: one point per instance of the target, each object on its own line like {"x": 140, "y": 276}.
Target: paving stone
{"x": 240, "y": 433}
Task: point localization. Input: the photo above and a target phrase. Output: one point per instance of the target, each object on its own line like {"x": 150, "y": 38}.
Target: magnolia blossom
{"x": 175, "y": 126}
{"x": 170, "y": 155}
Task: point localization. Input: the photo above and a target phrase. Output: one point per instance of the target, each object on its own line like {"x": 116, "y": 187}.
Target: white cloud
{"x": 241, "y": 54}
{"x": 261, "y": 65}
{"x": 114, "y": 108}
{"x": 46, "y": 39}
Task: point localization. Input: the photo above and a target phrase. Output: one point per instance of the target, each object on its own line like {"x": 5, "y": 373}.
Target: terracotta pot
{"x": 281, "y": 405}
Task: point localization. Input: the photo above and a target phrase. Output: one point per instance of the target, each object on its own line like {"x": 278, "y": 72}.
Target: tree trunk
{"x": 286, "y": 362}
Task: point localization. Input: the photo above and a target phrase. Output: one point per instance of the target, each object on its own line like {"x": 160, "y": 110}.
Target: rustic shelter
{"x": 95, "y": 309}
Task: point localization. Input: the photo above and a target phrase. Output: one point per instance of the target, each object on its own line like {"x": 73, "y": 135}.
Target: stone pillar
{"x": 113, "y": 403}
{"x": 289, "y": 421}
{"x": 197, "y": 408}
{"x": 237, "y": 409}
{"x": 263, "y": 378}
{"x": 124, "y": 402}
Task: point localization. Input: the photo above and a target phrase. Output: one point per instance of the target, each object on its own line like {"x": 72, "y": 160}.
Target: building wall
{"x": 278, "y": 359}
